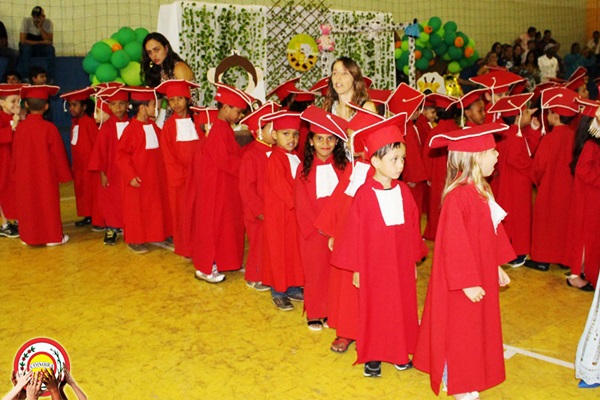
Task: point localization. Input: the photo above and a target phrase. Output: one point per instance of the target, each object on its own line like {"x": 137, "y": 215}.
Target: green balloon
{"x": 140, "y": 34}
{"x": 120, "y": 80}
{"x": 424, "y": 37}
{"x": 126, "y": 35}
{"x": 463, "y": 63}
{"x": 446, "y": 57}
{"x": 115, "y": 36}
{"x": 405, "y": 70}
{"x": 471, "y": 43}
{"x": 119, "y": 59}
{"x": 435, "y": 40}
{"x": 474, "y": 58}
{"x": 455, "y": 53}
{"x": 435, "y": 23}
{"x": 449, "y": 38}
{"x": 404, "y": 59}
{"x": 101, "y": 52}
{"x": 422, "y": 64}
{"x": 131, "y": 74}
{"x": 90, "y": 64}
{"x": 441, "y": 49}
{"x": 106, "y": 72}
{"x": 399, "y": 65}
{"x": 404, "y": 45}
{"x": 441, "y": 32}
{"x": 94, "y": 80}
{"x": 134, "y": 50}
{"x": 111, "y": 42}
{"x": 397, "y": 53}
{"x": 454, "y": 67}
{"x": 450, "y": 26}
{"x": 427, "y": 54}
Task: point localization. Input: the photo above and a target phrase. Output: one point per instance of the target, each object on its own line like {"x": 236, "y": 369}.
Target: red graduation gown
{"x": 465, "y": 336}
{"x": 343, "y": 296}
{"x": 513, "y": 190}
{"x": 146, "y": 212}
{"x": 103, "y": 159}
{"x": 436, "y": 164}
{"x": 177, "y": 156}
{"x": 314, "y": 251}
{"x": 213, "y": 205}
{"x": 385, "y": 257}
{"x": 424, "y": 128}
{"x": 583, "y": 236}
{"x": 552, "y": 176}
{"x": 252, "y": 182}
{"x": 281, "y": 257}
{"x": 7, "y": 183}
{"x": 414, "y": 167}
{"x": 39, "y": 163}
{"x": 84, "y": 181}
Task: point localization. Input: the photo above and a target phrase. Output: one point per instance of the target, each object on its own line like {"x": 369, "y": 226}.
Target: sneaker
{"x": 257, "y": 286}
{"x": 283, "y": 303}
{"x": 296, "y": 294}
{"x": 517, "y": 262}
{"x": 84, "y": 222}
{"x": 96, "y": 228}
{"x": 138, "y": 248}
{"x": 9, "y": 231}
{"x": 403, "y": 367}
{"x": 544, "y": 267}
{"x": 315, "y": 325}
{"x": 213, "y": 277}
{"x": 372, "y": 369}
{"x": 65, "y": 239}
{"x": 165, "y": 244}
{"x": 110, "y": 237}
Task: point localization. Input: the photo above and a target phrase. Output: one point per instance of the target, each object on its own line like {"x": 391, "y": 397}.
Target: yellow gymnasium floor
{"x": 141, "y": 327}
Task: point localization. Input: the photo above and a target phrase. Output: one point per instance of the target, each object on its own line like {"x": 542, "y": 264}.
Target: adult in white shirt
{"x": 548, "y": 63}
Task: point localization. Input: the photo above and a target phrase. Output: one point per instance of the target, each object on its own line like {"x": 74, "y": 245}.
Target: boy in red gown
{"x": 252, "y": 183}
{"x": 460, "y": 339}
{"x": 381, "y": 245}
{"x": 83, "y": 136}
{"x": 40, "y": 164}
{"x": 146, "y": 212}
{"x": 213, "y": 202}
{"x": 281, "y": 258}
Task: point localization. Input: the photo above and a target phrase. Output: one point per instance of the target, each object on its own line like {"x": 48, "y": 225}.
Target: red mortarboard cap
{"x": 466, "y": 100}
{"x": 404, "y": 99}
{"x": 7, "y": 89}
{"x": 106, "y": 85}
{"x": 381, "y": 133}
{"x": 511, "y": 105}
{"x": 368, "y": 81}
{"x": 303, "y": 95}
{"x": 538, "y": 89}
{"x": 497, "y": 81}
{"x": 439, "y": 100}
{"x": 362, "y": 118}
{"x": 587, "y": 107}
{"x": 283, "y": 120}
{"x": 282, "y": 91}
{"x": 205, "y": 115}
{"x": 379, "y": 95}
{"x": 579, "y": 72}
{"x": 140, "y": 93}
{"x": 113, "y": 94}
{"x": 560, "y": 100}
{"x": 39, "y": 91}
{"x": 322, "y": 122}
{"x": 233, "y": 97}
{"x": 102, "y": 105}
{"x": 470, "y": 139}
{"x": 176, "y": 88}
{"x": 518, "y": 87}
{"x": 78, "y": 95}
{"x": 254, "y": 120}
{"x": 558, "y": 81}
{"x": 322, "y": 86}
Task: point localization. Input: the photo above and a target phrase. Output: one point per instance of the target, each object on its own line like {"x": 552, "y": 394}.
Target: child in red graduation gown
{"x": 460, "y": 339}
{"x": 552, "y": 176}
{"x": 381, "y": 245}
{"x": 178, "y": 140}
{"x": 39, "y": 162}
{"x": 9, "y": 120}
{"x": 252, "y": 183}
{"x": 103, "y": 160}
{"x": 83, "y": 136}
{"x": 213, "y": 203}
{"x": 281, "y": 258}
{"x": 146, "y": 212}
{"x": 323, "y": 165}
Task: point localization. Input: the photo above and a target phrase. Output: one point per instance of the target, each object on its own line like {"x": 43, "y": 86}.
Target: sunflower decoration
{"x": 302, "y": 52}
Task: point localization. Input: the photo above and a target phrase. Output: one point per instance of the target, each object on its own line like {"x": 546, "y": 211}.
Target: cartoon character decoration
{"x": 256, "y": 83}
{"x": 453, "y": 88}
{"x": 431, "y": 82}
{"x": 325, "y": 42}
{"x": 302, "y": 52}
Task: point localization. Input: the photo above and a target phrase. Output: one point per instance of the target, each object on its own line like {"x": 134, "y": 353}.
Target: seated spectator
{"x": 11, "y": 76}
{"x": 506, "y": 58}
{"x": 490, "y": 60}
{"x": 530, "y": 70}
{"x": 11, "y": 54}
{"x": 518, "y": 56}
{"x": 548, "y": 63}
{"x": 38, "y": 76}
{"x": 36, "y": 41}
{"x": 526, "y": 37}
{"x": 576, "y": 58}
{"x": 594, "y": 43}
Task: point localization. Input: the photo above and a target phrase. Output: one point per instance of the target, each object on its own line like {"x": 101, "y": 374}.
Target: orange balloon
{"x": 418, "y": 54}
{"x": 459, "y": 42}
{"x": 431, "y": 62}
{"x": 116, "y": 47}
{"x": 427, "y": 29}
{"x": 469, "y": 51}
{"x": 398, "y": 44}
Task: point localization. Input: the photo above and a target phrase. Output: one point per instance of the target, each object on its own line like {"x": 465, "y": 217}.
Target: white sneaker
{"x": 214, "y": 277}
{"x": 64, "y": 240}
